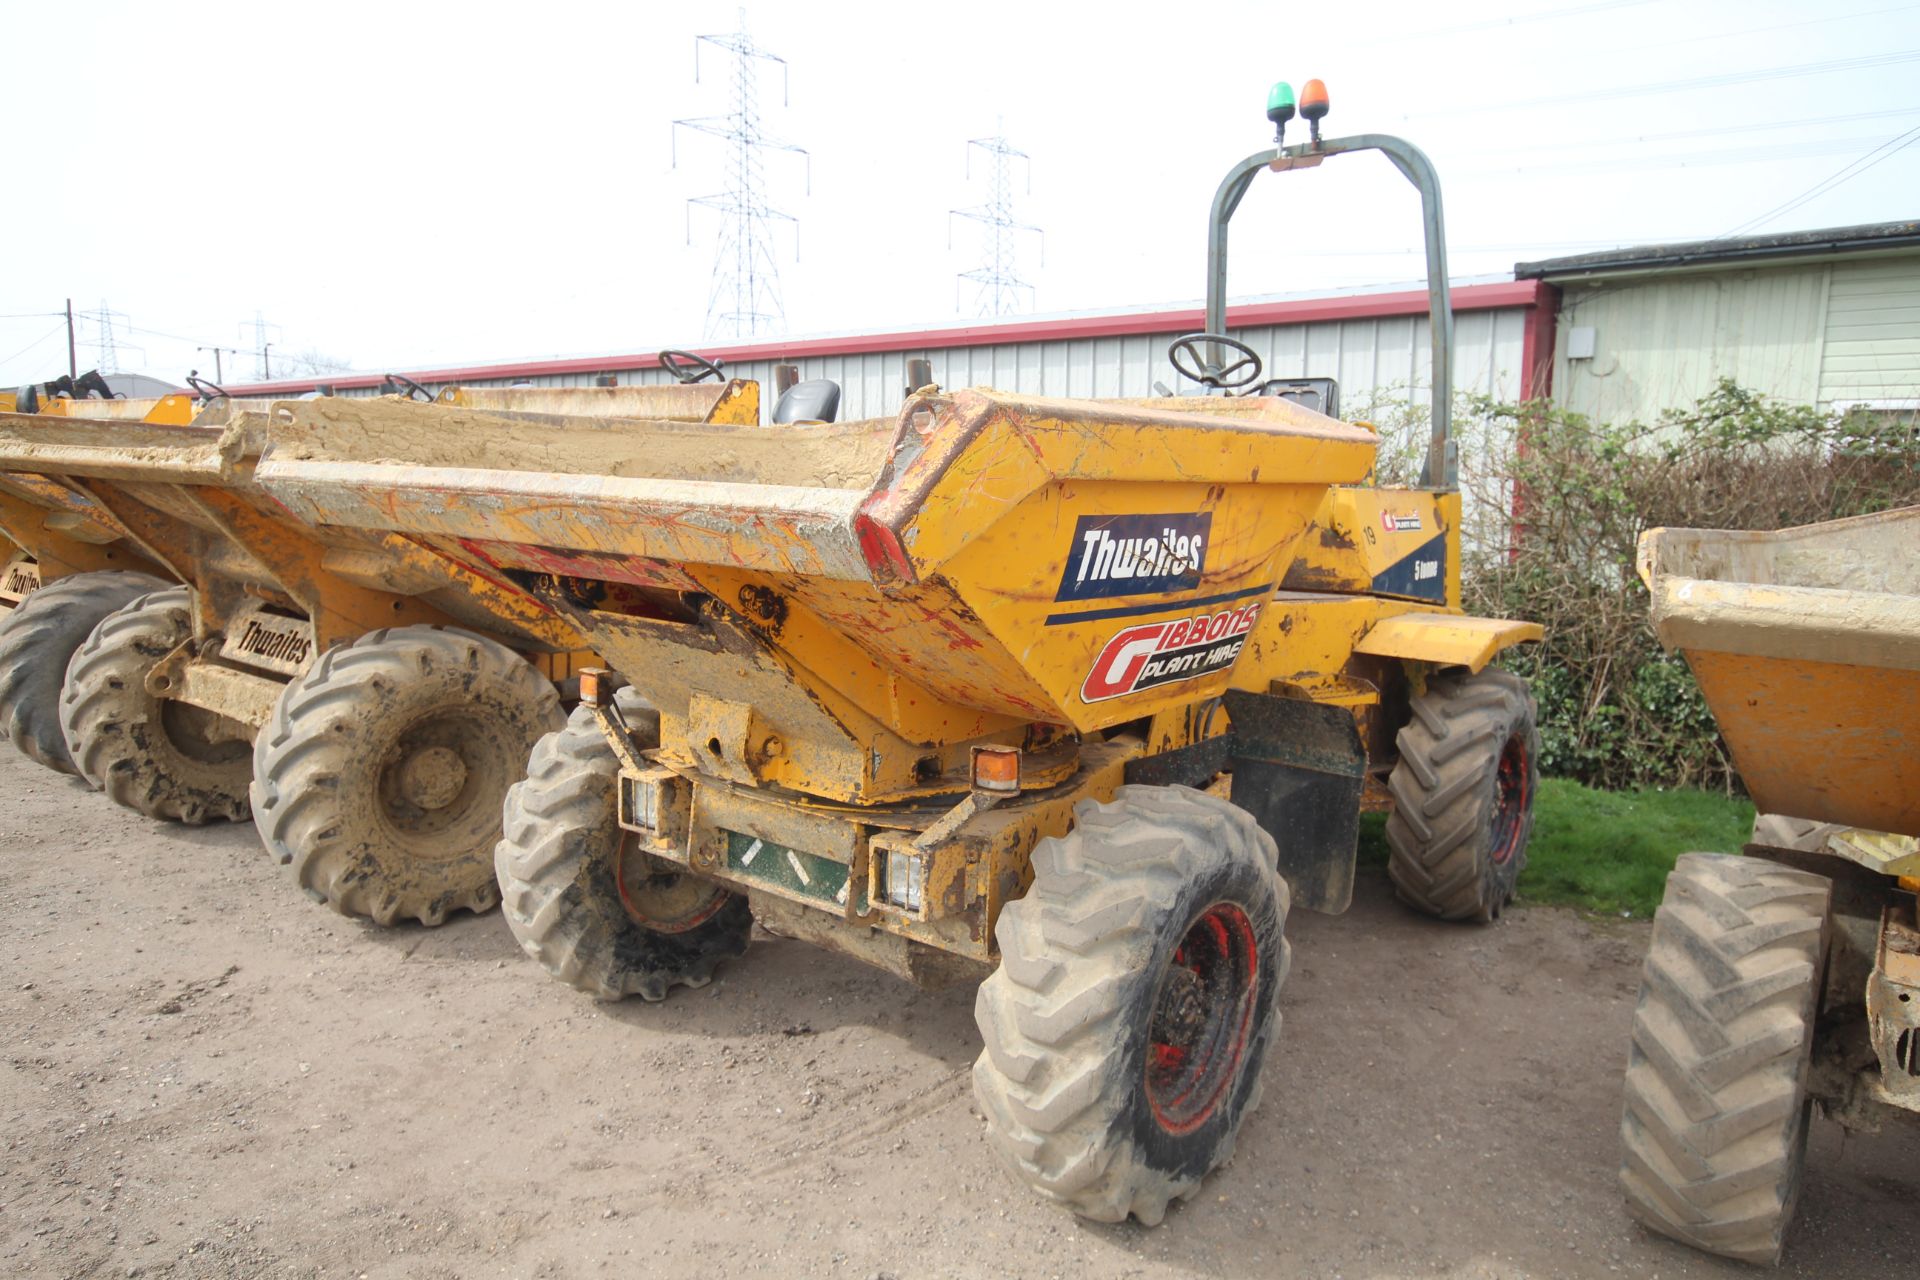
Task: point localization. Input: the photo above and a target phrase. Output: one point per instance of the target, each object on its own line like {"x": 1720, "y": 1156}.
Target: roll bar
{"x": 1442, "y": 466}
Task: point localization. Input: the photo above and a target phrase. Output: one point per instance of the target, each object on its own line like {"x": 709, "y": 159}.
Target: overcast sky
{"x": 417, "y": 185}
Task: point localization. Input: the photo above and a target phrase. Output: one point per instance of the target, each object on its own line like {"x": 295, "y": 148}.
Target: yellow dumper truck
{"x": 69, "y": 564}
{"x": 365, "y": 702}
{"x": 1077, "y": 697}
{"x": 1789, "y": 976}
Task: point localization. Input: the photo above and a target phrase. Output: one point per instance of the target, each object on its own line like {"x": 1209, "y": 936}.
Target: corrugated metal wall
{"x": 1374, "y": 360}
{"x": 1814, "y": 333}
{"x": 1662, "y": 342}
{"x": 1872, "y": 349}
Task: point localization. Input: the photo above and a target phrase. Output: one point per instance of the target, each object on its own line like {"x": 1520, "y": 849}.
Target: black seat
{"x": 815, "y": 400}
{"x": 1322, "y": 395}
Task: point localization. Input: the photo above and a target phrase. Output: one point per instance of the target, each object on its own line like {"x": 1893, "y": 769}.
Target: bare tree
{"x": 308, "y": 364}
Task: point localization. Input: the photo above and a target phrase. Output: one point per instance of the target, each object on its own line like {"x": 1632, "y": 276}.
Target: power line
{"x": 171, "y": 337}
{"x": 1720, "y": 81}
{"x": 40, "y": 341}
{"x": 1723, "y": 36}
{"x": 744, "y": 296}
{"x": 1899, "y": 142}
{"x": 219, "y": 368}
{"x": 1684, "y": 159}
{"x": 999, "y": 275}
{"x": 1846, "y": 173}
{"x": 262, "y": 349}
{"x": 1529, "y": 246}
{"x": 1490, "y": 24}
{"x": 108, "y": 359}
{"x": 1769, "y": 126}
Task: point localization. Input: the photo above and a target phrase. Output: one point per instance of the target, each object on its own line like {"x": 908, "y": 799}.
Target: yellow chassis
{"x": 831, "y": 620}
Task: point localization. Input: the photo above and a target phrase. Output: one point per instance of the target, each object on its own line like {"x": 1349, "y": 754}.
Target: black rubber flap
{"x": 1299, "y": 768}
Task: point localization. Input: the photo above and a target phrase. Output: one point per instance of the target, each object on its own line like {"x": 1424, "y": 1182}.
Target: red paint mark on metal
{"x": 880, "y": 547}
{"x": 1019, "y": 427}
{"x": 290, "y": 513}
{"x": 628, "y": 569}
{"x": 958, "y": 637}
{"x": 497, "y": 578}
{"x": 480, "y": 550}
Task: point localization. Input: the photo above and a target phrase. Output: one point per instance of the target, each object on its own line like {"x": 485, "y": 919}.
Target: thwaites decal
{"x": 1135, "y": 555}
{"x": 1157, "y": 653}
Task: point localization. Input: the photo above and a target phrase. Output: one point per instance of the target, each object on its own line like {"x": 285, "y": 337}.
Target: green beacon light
{"x": 1280, "y": 109}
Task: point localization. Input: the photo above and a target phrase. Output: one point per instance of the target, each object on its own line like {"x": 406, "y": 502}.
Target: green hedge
{"x": 1616, "y": 711}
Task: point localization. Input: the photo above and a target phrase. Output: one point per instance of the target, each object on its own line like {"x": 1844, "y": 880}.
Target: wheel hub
{"x": 1181, "y": 1015}
{"x": 206, "y": 737}
{"x": 663, "y": 897}
{"x": 1512, "y": 782}
{"x": 1201, "y": 1017}
{"x": 432, "y": 778}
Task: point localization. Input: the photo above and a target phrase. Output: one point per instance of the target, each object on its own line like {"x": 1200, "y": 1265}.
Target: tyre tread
{"x": 1714, "y": 1124}
{"x": 105, "y": 692}
{"x": 553, "y": 819}
{"x": 301, "y": 756}
{"x": 1449, "y": 745}
{"x": 37, "y": 642}
{"x": 1052, "y": 1012}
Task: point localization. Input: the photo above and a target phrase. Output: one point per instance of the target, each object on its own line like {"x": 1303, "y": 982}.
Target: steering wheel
{"x": 207, "y": 390}
{"x": 685, "y": 366}
{"x": 414, "y": 389}
{"x": 1198, "y": 370}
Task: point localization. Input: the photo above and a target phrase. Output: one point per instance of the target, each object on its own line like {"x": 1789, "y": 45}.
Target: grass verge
{"x": 1607, "y": 851}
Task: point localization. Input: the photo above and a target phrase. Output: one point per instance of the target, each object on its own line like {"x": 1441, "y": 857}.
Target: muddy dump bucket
{"x": 367, "y": 702}
{"x": 60, "y": 537}
{"x": 178, "y": 408}
{"x": 67, "y": 564}
{"x": 1806, "y": 643}
{"x": 58, "y": 531}
{"x": 735, "y": 400}
{"x": 185, "y": 494}
{"x": 926, "y": 579}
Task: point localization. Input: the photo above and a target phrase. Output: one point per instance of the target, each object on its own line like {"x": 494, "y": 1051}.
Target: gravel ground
{"x": 206, "y": 1075}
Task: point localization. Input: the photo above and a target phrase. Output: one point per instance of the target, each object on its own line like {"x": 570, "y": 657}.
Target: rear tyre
{"x": 158, "y": 757}
{"x": 1714, "y": 1134}
{"x": 1463, "y": 796}
{"x": 1777, "y": 831}
{"x": 1126, "y": 1025}
{"x": 592, "y": 910}
{"x": 380, "y": 776}
{"x": 37, "y": 641}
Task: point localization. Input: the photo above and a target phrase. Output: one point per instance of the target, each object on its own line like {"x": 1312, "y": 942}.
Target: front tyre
{"x": 1135, "y": 999}
{"x": 593, "y": 910}
{"x": 1463, "y": 796}
{"x": 1714, "y": 1133}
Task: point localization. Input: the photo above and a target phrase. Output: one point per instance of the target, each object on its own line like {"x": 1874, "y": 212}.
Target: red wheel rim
{"x": 1512, "y": 797}
{"x": 1202, "y": 1015}
{"x": 661, "y": 897}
